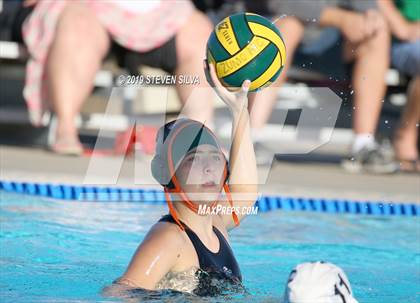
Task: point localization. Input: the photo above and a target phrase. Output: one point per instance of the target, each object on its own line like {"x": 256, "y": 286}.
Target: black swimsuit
{"x": 221, "y": 265}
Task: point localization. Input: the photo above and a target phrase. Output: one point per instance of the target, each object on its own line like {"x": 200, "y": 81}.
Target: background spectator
{"x": 403, "y": 17}
{"x": 366, "y": 42}
{"x": 67, "y": 41}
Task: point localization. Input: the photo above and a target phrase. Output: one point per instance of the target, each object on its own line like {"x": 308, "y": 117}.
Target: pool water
{"x": 55, "y": 251}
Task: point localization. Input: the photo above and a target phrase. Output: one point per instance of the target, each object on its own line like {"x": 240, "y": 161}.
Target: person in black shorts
{"x": 361, "y": 32}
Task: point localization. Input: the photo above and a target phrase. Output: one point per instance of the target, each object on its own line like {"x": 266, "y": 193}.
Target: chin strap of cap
{"x": 192, "y": 206}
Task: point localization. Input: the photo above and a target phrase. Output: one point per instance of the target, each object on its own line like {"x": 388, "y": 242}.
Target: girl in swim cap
{"x": 196, "y": 175}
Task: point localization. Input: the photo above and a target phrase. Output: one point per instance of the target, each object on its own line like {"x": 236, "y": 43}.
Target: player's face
{"x": 201, "y": 172}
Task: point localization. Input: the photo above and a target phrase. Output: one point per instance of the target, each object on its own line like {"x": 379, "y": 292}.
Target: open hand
{"x": 357, "y": 27}
{"x": 237, "y": 100}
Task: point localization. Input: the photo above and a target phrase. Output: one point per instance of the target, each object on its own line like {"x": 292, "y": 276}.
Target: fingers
{"x": 216, "y": 81}
{"x": 369, "y": 25}
{"x": 246, "y": 85}
{"x": 354, "y": 27}
{"x": 207, "y": 72}
{"x": 222, "y": 92}
{"x": 213, "y": 80}
{"x": 243, "y": 92}
{"x": 374, "y": 22}
{"x": 214, "y": 77}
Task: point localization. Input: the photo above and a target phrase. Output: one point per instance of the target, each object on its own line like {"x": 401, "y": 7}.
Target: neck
{"x": 199, "y": 224}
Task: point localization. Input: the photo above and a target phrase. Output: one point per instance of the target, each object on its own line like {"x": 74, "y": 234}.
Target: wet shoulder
{"x": 167, "y": 233}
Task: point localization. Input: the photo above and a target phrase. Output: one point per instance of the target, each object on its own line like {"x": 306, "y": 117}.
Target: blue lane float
{"x": 264, "y": 203}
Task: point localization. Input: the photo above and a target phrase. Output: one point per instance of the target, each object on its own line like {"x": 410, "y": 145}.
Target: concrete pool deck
{"x": 297, "y": 179}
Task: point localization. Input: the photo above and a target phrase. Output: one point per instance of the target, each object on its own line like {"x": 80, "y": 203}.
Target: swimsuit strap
{"x": 221, "y": 261}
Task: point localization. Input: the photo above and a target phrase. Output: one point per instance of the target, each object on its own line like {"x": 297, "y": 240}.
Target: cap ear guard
{"x": 159, "y": 165}
{"x": 159, "y": 171}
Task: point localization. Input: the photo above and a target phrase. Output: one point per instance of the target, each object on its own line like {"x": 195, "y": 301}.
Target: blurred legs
{"x": 74, "y": 58}
{"x": 407, "y": 134}
{"x": 292, "y": 31}
{"x": 371, "y": 65}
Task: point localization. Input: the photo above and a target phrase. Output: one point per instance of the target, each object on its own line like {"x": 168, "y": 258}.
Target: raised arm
{"x": 243, "y": 180}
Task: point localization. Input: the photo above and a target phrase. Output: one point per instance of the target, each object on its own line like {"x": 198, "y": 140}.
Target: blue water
{"x": 53, "y": 251}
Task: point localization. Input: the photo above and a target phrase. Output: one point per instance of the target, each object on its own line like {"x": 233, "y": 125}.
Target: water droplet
{"x": 417, "y": 125}
{"x": 352, "y": 92}
{"x": 382, "y": 100}
{"x": 354, "y": 107}
{"x": 313, "y": 20}
{"x": 303, "y": 65}
{"x": 341, "y": 93}
{"x": 386, "y": 121}
{"x": 352, "y": 158}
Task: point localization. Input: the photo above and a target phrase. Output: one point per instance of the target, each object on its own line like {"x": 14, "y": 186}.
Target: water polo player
{"x": 194, "y": 172}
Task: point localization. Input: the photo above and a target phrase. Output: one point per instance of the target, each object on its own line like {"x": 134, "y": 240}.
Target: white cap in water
{"x": 318, "y": 282}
